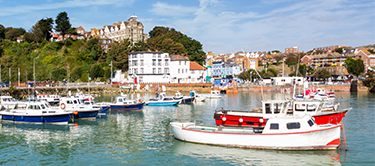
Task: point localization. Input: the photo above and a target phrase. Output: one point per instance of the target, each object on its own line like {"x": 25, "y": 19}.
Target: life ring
{"x": 62, "y": 106}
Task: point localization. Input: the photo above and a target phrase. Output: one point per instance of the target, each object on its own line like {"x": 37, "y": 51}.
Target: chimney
{"x": 156, "y": 51}
{"x": 149, "y": 50}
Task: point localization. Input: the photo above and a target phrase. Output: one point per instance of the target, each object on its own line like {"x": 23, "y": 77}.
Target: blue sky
{"x": 222, "y": 26}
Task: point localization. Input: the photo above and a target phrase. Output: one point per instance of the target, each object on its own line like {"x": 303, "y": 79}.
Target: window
{"x": 159, "y": 62}
{"x": 180, "y": 63}
{"x": 185, "y": 70}
{"x": 192, "y": 72}
{"x": 293, "y": 125}
{"x": 153, "y": 70}
{"x": 153, "y": 55}
{"x": 154, "y": 62}
{"x": 135, "y": 63}
{"x": 182, "y": 70}
{"x": 178, "y": 70}
{"x": 141, "y": 70}
{"x": 159, "y": 70}
{"x": 274, "y": 126}
{"x": 166, "y": 62}
{"x": 185, "y": 62}
{"x": 140, "y": 79}
{"x": 135, "y": 71}
{"x": 166, "y": 70}
{"x": 141, "y": 64}
{"x": 159, "y": 55}
{"x": 310, "y": 122}
{"x": 268, "y": 108}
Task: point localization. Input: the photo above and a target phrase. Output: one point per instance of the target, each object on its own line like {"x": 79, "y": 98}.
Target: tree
{"x": 302, "y": 69}
{"x": 355, "y": 66}
{"x": 339, "y": 50}
{"x": 322, "y": 73}
{"x": 278, "y": 58}
{"x": 119, "y": 53}
{"x": 46, "y": 26}
{"x": 13, "y": 33}
{"x": 58, "y": 74}
{"x": 290, "y": 59}
{"x": 2, "y": 32}
{"x": 174, "y": 42}
{"x": 36, "y": 33}
{"x": 62, "y": 23}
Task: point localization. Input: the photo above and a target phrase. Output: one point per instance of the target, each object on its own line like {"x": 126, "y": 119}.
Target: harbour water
{"x": 144, "y": 137}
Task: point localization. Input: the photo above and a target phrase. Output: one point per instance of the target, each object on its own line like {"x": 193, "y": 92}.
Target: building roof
{"x": 196, "y": 66}
{"x": 179, "y": 58}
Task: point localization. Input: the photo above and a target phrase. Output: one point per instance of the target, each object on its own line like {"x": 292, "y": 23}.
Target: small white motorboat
{"x": 214, "y": 94}
{"x": 198, "y": 97}
{"x": 282, "y": 132}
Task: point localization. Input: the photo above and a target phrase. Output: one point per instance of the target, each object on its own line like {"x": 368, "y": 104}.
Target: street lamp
{"x": 34, "y": 73}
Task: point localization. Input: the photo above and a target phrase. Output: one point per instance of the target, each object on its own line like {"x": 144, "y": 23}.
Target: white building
{"x": 286, "y": 80}
{"x": 149, "y": 67}
{"x": 197, "y": 73}
{"x": 180, "y": 69}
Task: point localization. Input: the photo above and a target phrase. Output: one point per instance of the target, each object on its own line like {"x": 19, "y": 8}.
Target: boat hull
{"x": 128, "y": 107}
{"x": 188, "y": 100}
{"x": 156, "y": 103}
{"x": 103, "y": 110}
{"x": 51, "y": 119}
{"x": 332, "y": 117}
{"x": 85, "y": 114}
{"x": 322, "y": 139}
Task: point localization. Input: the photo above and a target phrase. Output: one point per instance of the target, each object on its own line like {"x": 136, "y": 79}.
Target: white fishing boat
{"x": 281, "y": 132}
{"x": 78, "y": 109}
{"x": 214, "y": 94}
{"x": 36, "y": 112}
{"x": 11, "y": 103}
{"x": 51, "y": 99}
{"x": 162, "y": 100}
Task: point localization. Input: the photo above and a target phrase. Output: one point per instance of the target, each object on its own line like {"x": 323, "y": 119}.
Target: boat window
{"x": 69, "y": 102}
{"x": 274, "y": 126}
{"x": 268, "y": 108}
{"x": 75, "y": 101}
{"x": 43, "y": 107}
{"x": 293, "y": 125}
{"x": 310, "y": 122}
{"x": 30, "y": 107}
{"x": 311, "y": 107}
{"x": 37, "y": 107}
{"x": 119, "y": 100}
{"x": 299, "y": 108}
{"x": 277, "y": 108}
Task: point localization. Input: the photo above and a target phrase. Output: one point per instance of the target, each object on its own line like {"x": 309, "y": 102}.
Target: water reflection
{"x": 206, "y": 153}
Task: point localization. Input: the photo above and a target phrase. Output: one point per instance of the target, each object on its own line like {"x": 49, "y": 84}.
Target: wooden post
{"x": 343, "y": 132}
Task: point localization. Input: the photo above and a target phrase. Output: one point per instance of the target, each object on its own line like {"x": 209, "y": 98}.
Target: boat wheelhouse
{"x": 78, "y": 109}
{"x": 322, "y": 113}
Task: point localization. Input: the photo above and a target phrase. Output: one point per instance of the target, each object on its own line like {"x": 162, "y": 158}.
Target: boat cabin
{"x": 7, "y": 99}
{"x": 289, "y": 124}
{"x": 272, "y": 108}
{"x": 162, "y": 96}
{"x": 306, "y": 107}
{"x": 123, "y": 100}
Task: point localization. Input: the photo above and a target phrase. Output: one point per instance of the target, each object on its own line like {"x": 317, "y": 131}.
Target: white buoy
{"x": 241, "y": 120}
{"x": 261, "y": 120}
{"x": 224, "y": 119}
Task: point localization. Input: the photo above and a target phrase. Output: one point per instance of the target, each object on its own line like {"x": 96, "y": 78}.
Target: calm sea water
{"x": 144, "y": 137}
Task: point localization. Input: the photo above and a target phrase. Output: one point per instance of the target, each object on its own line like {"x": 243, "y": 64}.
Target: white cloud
{"x": 307, "y": 24}
{"x": 164, "y": 9}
